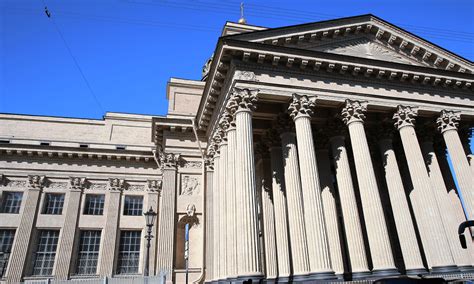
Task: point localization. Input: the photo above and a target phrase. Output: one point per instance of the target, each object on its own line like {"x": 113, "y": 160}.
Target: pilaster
{"x": 209, "y": 237}
{"x": 153, "y": 189}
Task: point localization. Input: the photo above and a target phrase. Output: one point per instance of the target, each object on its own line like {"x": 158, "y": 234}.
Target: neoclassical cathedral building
{"x": 323, "y": 152}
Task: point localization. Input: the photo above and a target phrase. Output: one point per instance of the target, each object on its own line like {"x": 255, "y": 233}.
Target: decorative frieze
{"x": 354, "y": 111}
{"x": 154, "y": 185}
{"x": 301, "y": 105}
{"x": 405, "y": 116}
{"x": 245, "y": 76}
{"x": 448, "y": 120}
{"x": 190, "y": 185}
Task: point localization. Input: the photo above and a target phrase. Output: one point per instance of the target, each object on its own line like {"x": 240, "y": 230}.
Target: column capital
{"x": 116, "y": 184}
{"x": 242, "y": 100}
{"x": 77, "y": 183}
{"x": 36, "y": 181}
{"x": 169, "y": 160}
{"x": 301, "y": 105}
{"x": 353, "y": 111}
{"x": 271, "y": 138}
{"x": 226, "y": 120}
{"x": 209, "y": 163}
{"x": 284, "y": 123}
{"x": 448, "y": 120}
{"x": 405, "y": 116}
{"x": 154, "y": 185}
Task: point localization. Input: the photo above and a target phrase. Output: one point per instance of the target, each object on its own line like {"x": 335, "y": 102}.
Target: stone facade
{"x": 307, "y": 153}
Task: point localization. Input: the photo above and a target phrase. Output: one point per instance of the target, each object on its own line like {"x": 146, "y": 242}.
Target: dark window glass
{"x": 11, "y": 202}
{"x": 53, "y": 203}
{"x": 6, "y": 242}
{"x": 129, "y": 252}
{"x": 45, "y": 252}
{"x": 88, "y": 254}
{"x": 133, "y": 205}
{"x": 94, "y": 204}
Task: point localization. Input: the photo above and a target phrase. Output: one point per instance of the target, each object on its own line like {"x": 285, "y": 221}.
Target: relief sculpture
{"x": 190, "y": 185}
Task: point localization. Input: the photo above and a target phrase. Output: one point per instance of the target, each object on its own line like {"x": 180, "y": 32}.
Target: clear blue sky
{"x": 128, "y": 49}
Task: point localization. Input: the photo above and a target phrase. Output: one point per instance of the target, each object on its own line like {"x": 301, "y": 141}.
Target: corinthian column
{"x": 379, "y": 242}
{"x": 301, "y": 109}
{"x": 106, "y": 265}
{"x": 209, "y": 213}
{"x": 447, "y": 125}
{"x": 66, "y": 243}
{"x": 427, "y": 215}
{"x": 399, "y": 203}
{"x": 215, "y": 210}
{"x": 223, "y": 202}
{"x": 231, "y": 197}
{"x": 294, "y": 195}
{"x": 272, "y": 140}
{"x": 243, "y": 103}
{"x": 166, "y": 216}
{"x": 352, "y": 222}
{"x": 24, "y": 231}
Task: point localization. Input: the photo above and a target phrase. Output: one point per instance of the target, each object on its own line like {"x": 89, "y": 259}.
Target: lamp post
{"x": 150, "y": 220}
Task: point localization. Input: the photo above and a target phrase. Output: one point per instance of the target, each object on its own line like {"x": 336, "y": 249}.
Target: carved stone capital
{"x": 154, "y": 185}
{"x": 301, "y": 105}
{"x": 211, "y": 150}
{"x": 36, "y": 181}
{"x": 271, "y": 138}
{"x": 405, "y": 116}
{"x": 353, "y": 111}
{"x": 116, "y": 184}
{"x": 77, "y": 183}
{"x": 169, "y": 160}
{"x": 209, "y": 163}
{"x": 226, "y": 120}
{"x": 448, "y": 120}
{"x": 284, "y": 124}
{"x": 243, "y": 99}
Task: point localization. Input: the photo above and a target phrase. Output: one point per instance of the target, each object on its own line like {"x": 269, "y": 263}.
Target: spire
{"x": 242, "y": 20}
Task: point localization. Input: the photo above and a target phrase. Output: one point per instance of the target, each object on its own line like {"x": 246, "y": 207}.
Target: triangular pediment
{"x": 363, "y": 36}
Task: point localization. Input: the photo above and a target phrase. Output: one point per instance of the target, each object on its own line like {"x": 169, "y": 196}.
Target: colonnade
{"x": 293, "y": 230}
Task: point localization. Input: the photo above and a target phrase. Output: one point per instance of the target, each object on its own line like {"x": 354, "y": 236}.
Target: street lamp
{"x": 150, "y": 220}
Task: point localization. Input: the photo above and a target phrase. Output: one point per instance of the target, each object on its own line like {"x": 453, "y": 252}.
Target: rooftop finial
{"x": 242, "y": 19}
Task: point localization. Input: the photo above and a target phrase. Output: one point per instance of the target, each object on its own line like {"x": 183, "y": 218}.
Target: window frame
{"x": 129, "y": 255}
{"x": 54, "y": 210}
{"x": 87, "y": 211}
{"x": 4, "y": 201}
{"x": 89, "y": 255}
{"x": 47, "y": 256}
{"x": 132, "y": 211}
{"x": 5, "y": 249}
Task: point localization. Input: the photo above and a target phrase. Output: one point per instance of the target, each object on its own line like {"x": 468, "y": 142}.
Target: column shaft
{"x": 296, "y": 225}
{"x": 216, "y": 217}
{"x": 249, "y": 264}
{"x": 23, "y": 236}
{"x": 209, "y": 225}
{"x": 223, "y": 164}
{"x": 350, "y": 213}
{"x": 153, "y": 201}
{"x": 377, "y": 233}
{"x": 231, "y": 210}
{"x": 328, "y": 196}
{"x": 401, "y": 211}
{"x": 318, "y": 248}
{"x": 106, "y": 266}
{"x": 66, "y": 244}
{"x": 166, "y": 224}
{"x": 281, "y": 217}
{"x": 428, "y": 217}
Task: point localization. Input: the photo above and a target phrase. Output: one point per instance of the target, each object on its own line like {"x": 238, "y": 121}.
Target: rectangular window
{"x": 11, "y": 202}
{"x": 129, "y": 252}
{"x": 6, "y": 242}
{"x": 88, "y": 255}
{"x": 53, "y": 203}
{"x": 133, "y": 205}
{"x": 45, "y": 252}
{"x": 94, "y": 204}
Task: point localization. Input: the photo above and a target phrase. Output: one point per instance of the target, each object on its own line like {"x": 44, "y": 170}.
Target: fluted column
{"x": 209, "y": 238}
{"x": 106, "y": 265}
{"x": 352, "y": 222}
{"x": 447, "y": 125}
{"x": 215, "y": 210}
{"x": 249, "y": 265}
{"x": 294, "y": 195}
{"x": 66, "y": 243}
{"x": 279, "y": 204}
{"x": 430, "y": 226}
{"x": 223, "y": 206}
{"x": 153, "y": 189}
{"x": 377, "y": 233}
{"x": 264, "y": 182}
{"x": 23, "y": 233}
{"x": 328, "y": 196}
{"x": 448, "y": 215}
{"x": 301, "y": 109}
{"x": 401, "y": 211}
{"x": 167, "y": 216}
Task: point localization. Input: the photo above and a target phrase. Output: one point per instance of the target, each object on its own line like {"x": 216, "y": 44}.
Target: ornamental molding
{"x": 36, "y": 181}
{"x": 116, "y": 184}
{"x": 245, "y": 76}
{"x": 77, "y": 183}
{"x": 353, "y": 111}
{"x": 169, "y": 160}
{"x": 405, "y": 116}
{"x": 301, "y": 105}
{"x": 448, "y": 120}
{"x": 192, "y": 164}
{"x": 154, "y": 185}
